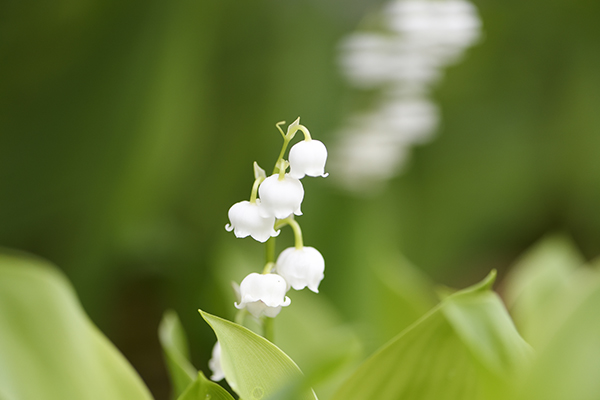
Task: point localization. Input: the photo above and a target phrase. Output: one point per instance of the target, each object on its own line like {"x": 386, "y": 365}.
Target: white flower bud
{"x": 263, "y": 294}
{"x": 301, "y": 268}
{"x": 247, "y": 220}
{"x": 308, "y": 157}
{"x": 281, "y": 198}
{"x": 215, "y": 363}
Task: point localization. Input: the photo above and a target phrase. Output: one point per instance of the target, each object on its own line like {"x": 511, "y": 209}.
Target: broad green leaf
{"x": 49, "y": 349}
{"x": 479, "y": 318}
{"x": 567, "y": 366}
{"x": 204, "y": 389}
{"x": 539, "y": 289}
{"x": 465, "y": 348}
{"x": 174, "y": 343}
{"x": 254, "y": 367}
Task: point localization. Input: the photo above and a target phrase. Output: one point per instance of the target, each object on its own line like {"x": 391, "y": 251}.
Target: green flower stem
{"x": 286, "y": 141}
{"x": 298, "y": 242}
{"x": 268, "y": 331}
{"x": 287, "y": 138}
{"x": 255, "y": 186}
{"x": 270, "y": 250}
{"x": 291, "y": 221}
{"x": 282, "y": 167}
{"x": 267, "y": 323}
{"x": 305, "y": 131}
{"x": 277, "y": 125}
{"x": 240, "y": 316}
{"x": 268, "y": 268}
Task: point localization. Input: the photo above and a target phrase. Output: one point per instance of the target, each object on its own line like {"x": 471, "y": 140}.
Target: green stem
{"x": 268, "y": 330}
{"x": 268, "y": 268}
{"x": 270, "y": 250}
{"x": 282, "y": 166}
{"x": 287, "y": 137}
{"x": 267, "y": 322}
{"x": 305, "y": 131}
{"x": 277, "y": 125}
{"x": 291, "y": 221}
{"x": 298, "y": 242}
{"x": 286, "y": 141}
{"x": 255, "y": 186}
{"x": 240, "y": 316}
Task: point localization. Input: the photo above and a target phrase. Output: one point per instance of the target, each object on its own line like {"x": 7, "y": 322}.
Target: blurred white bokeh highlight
{"x": 401, "y": 61}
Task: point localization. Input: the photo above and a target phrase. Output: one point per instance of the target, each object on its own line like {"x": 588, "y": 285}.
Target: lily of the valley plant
{"x": 274, "y": 203}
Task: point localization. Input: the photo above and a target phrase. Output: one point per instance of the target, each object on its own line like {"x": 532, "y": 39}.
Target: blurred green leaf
{"x": 49, "y": 349}
{"x": 253, "y": 366}
{"x": 204, "y": 389}
{"x": 544, "y": 286}
{"x": 567, "y": 366}
{"x": 315, "y": 336}
{"x": 479, "y": 318}
{"x": 465, "y": 348}
{"x": 555, "y": 299}
{"x": 174, "y": 343}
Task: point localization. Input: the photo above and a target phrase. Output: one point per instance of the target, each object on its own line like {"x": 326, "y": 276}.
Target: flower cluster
{"x": 399, "y": 59}
{"x": 274, "y": 202}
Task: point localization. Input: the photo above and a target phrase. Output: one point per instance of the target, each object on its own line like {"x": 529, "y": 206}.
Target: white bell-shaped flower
{"x": 281, "y": 197}
{"x": 247, "y": 220}
{"x": 308, "y": 157}
{"x": 301, "y": 267}
{"x": 215, "y": 363}
{"x": 263, "y": 294}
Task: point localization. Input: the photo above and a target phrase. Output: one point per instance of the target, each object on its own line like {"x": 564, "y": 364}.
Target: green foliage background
{"x": 127, "y": 130}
